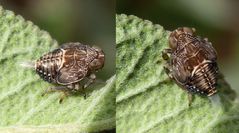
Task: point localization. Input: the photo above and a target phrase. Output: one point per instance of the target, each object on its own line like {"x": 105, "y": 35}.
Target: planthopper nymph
{"x": 191, "y": 62}
{"x": 68, "y": 65}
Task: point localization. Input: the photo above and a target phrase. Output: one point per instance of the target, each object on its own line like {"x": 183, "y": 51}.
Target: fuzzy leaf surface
{"x": 148, "y": 102}
{"x": 22, "y": 108}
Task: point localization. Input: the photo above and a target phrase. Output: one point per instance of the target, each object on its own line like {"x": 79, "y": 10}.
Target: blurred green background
{"x": 90, "y": 22}
{"x": 217, "y": 20}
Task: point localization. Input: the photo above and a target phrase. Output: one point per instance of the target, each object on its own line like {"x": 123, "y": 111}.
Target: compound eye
{"x": 95, "y": 64}
{"x": 189, "y": 30}
{"x": 172, "y": 42}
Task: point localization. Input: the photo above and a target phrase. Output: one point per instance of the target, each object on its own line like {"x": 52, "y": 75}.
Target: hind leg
{"x": 53, "y": 89}
{"x": 63, "y": 89}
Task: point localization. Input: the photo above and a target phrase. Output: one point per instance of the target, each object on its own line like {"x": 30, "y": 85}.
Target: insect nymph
{"x": 68, "y": 65}
{"x": 192, "y": 62}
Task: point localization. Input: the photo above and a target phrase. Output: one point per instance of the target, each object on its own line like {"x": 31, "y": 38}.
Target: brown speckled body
{"x": 70, "y": 63}
{"x": 192, "y": 62}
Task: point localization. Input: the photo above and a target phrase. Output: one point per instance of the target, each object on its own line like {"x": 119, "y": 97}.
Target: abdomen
{"x": 48, "y": 65}
{"x": 203, "y": 81}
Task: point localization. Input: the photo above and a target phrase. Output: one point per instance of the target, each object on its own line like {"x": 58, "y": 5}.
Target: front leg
{"x": 165, "y": 53}
{"x": 91, "y": 79}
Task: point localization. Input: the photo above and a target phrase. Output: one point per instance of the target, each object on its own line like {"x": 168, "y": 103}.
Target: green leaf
{"x": 22, "y": 108}
{"x": 147, "y": 101}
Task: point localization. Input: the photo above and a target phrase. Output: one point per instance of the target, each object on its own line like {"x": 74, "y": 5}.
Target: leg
{"x": 76, "y": 88}
{"x": 63, "y": 89}
{"x": 84, "y": 92}
{"x": 190, "y": 98}
{"x": 63, "y": 95}
{"x": 168, "y": 70}
{"x": 53, "y": 89}
{"x": 165, "y": 53}
{"x": 92, "y": 78}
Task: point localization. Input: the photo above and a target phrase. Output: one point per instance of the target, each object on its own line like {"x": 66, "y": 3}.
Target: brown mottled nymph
{"x": 68, "y": 65}
{"x": 191, "y": 62}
